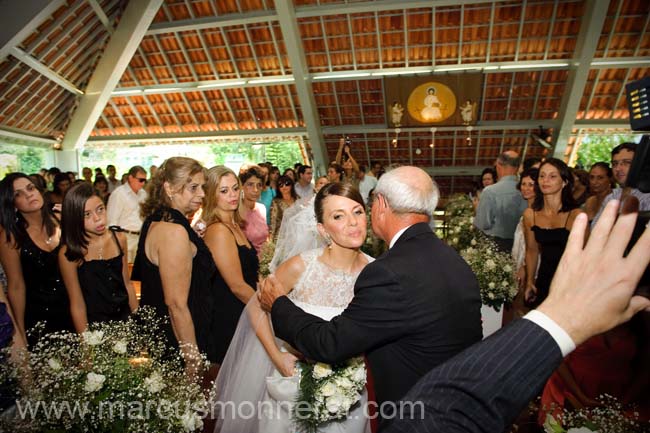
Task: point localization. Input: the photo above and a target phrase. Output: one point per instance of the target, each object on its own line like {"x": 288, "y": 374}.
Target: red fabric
{"x": 372, "y": 408}
{"x": 601, "y": 365}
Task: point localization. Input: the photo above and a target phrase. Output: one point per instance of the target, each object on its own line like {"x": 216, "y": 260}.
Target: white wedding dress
{"x": 250, "y": 395}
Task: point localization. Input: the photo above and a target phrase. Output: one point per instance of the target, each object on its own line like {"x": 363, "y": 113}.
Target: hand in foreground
{"x": 593, "y": 287}
{"x": 270, "y": 290}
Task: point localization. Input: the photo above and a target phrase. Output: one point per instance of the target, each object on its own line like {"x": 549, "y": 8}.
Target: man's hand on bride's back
{"x": 269, "y": 290}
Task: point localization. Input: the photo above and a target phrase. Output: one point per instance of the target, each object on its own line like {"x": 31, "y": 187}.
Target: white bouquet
{"x": 327, "y": 392}
{"x": 117, "y": 376}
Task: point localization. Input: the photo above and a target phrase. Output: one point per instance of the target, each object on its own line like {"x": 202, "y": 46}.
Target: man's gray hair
{"x": 507, "y": 159}
{"x": 404, "y": 196}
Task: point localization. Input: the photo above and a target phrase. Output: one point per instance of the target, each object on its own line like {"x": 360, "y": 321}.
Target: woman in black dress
{"x": 174, "y": 264}
{"x": 234, "y": 255}
{"x": 92, "y": 261}
{"x": 29, "y": 244}
{"x": 546, "y": 227}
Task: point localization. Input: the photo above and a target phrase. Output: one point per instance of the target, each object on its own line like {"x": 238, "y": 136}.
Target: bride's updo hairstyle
{"x": 340, "y": 189}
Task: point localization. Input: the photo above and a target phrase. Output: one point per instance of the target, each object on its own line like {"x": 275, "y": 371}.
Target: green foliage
{"x": 597, "y": 148}
{"x": 283, "y": 155}
{"x": 21, "y": 158}
{"x": 31, "y": 160}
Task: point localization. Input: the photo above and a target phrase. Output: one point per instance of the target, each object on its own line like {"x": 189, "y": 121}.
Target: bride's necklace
{"x": 349, "y": 270}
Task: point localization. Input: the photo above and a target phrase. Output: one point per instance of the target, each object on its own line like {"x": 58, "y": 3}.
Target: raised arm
{"x": 223, "y": 246}
{"x": 339, "y": 152}
{"x": 71, "y": 280}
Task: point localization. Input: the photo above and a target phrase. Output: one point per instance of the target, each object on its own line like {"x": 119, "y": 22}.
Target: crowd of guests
{"x": 194, "y": 237}
{"x": 528, "y": 210}
{"x": 71, "y": 247}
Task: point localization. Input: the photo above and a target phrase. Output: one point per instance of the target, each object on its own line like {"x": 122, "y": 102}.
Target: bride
{"x": 257, "y": 384}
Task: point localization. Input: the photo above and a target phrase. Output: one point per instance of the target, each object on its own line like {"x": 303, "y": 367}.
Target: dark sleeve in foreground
{"x": 484, "y": 388}
{"x": 378, "y": 313}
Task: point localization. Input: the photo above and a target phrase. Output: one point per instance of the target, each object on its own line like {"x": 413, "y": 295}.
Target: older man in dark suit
{"x": 414, "y": 307}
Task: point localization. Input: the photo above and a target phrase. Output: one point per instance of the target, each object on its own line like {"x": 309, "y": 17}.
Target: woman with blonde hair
{"x": 174, "y": 264}
{"x": 233, "y": 253}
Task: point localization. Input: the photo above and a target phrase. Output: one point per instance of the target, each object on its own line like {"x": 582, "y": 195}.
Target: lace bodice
{"x": 321, "y": 285}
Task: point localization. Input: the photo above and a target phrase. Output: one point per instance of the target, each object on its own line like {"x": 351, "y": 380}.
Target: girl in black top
{"x": 92, "y": 262}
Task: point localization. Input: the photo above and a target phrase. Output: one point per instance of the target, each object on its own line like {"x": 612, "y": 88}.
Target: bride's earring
{"x": 328, "y": 240}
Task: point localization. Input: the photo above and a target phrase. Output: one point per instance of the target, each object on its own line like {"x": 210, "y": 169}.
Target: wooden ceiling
{"x": 215, "y": 70}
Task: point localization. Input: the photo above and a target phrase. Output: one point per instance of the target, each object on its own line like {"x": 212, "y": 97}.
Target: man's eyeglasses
{"x": 141, "y": 179}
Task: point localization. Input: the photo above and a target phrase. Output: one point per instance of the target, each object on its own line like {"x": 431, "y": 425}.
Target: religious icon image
{"x": 396, "y": 113}
{"x": 467, "y": 111}
{"x": 431, "y": 110}
{"x": 431, "y": 102}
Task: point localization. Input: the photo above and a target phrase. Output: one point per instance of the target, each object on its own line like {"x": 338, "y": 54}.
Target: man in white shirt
{"x": 304, "y": 187}
{"x": 367, "y": 182}
{"x": 124, "y": 207}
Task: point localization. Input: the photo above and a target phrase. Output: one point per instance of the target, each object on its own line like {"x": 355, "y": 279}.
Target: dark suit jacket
{"x": 484, "y": 388}
{"x": 413, "y": 308}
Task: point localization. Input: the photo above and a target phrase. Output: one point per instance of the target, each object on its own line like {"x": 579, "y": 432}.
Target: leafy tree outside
{"x": 597, "y": 148}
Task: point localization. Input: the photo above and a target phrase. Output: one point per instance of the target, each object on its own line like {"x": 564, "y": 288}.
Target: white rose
{"x": 93, "y": 338}
{"x": 54, "y": 364}
{"x": 490, "y": 264}
{"x": 491, "y": 295}
{"x": 359, "y": 375}
{"x": 581, "y": 430}
{"x": 154, "y": 383}
{"x": 344, "y": 382}
{"x": 119, "y": 347}
{"x": 191, "y": 421}
{"x": 507, "y": 268}
{"x": 321, "y": 370}
{"x": 473, "y": 242}
{"x": 334, "y": 403}
{"x": 328, "y": 389}
{"x": 491, "y": 285}
{"x": 454, "y": 241}
{"x": 94, "y": 382}
{"x": 504, "y": 283}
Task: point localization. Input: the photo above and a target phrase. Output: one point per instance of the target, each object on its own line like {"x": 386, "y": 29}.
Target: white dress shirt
{"x": 124, "y": 208}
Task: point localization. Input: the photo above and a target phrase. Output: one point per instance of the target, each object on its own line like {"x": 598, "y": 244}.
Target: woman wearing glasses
{"x": 285, "y": 197}
{"x": 29, "y": 244}
{"x": 92, "y": 261}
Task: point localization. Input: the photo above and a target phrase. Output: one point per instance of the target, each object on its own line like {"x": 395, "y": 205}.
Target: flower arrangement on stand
{"x": 115, "y": 377}
{"x": 611, "y": 417}
{"x": 494, "y": 269}
{"x": 327, "y": 392}
{"x": 494, "y": 272}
